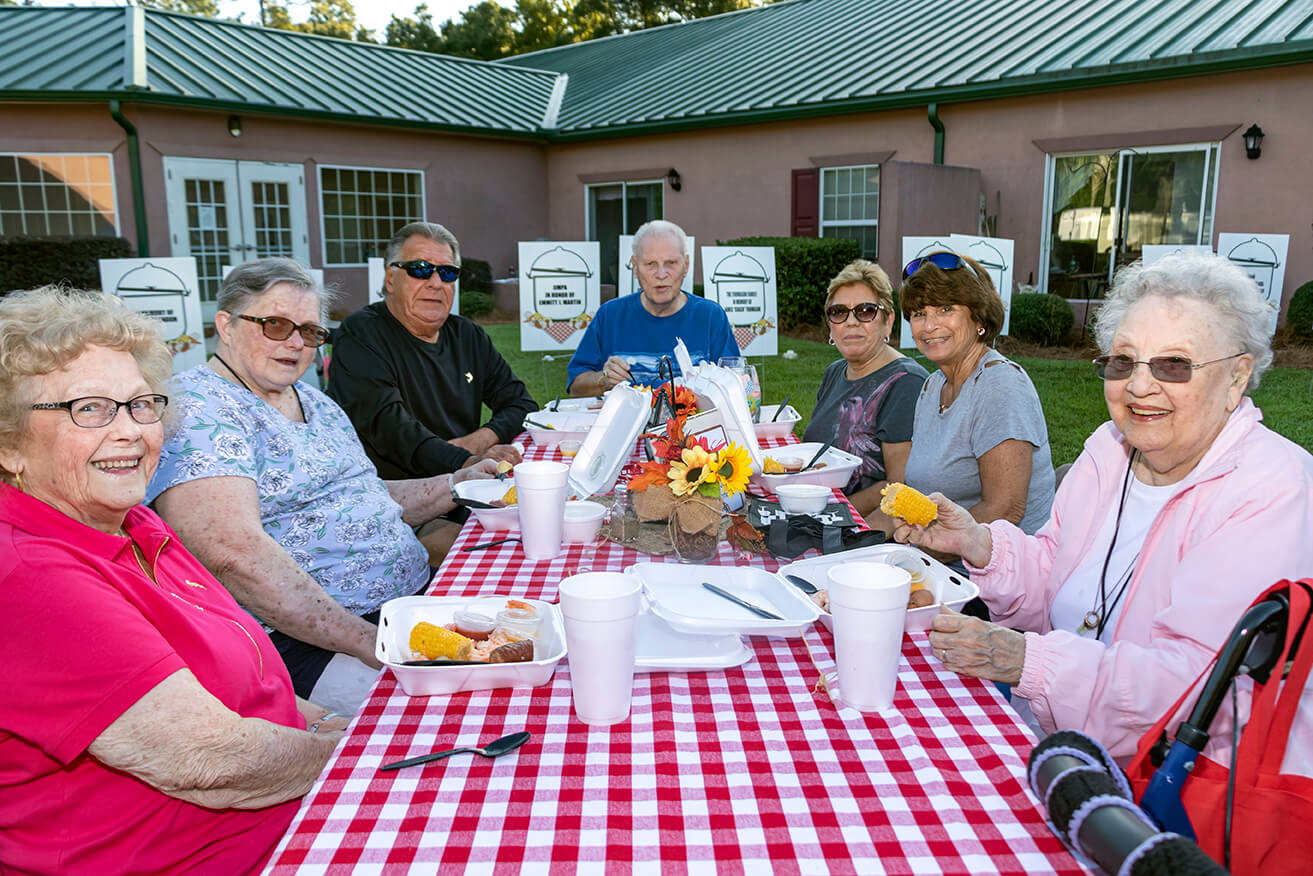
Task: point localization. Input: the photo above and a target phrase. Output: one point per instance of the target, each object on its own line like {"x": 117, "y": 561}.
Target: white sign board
{"x": 166, "y": 290}
{"x": 560, "y": 290}
{"x": 627, "y": 277}
{"x": 742, "y": 280}
{"x": 378, "y": 278}
{"x": 1263, "y": 257}
{"x": 1152, "y": 252}
{"x": 913, "y": 247}
{"x": 995, "y": 256}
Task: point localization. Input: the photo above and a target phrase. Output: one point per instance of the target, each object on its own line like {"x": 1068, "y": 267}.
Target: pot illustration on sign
{"x": 740, "y": 282}
{"x": 560, "y": 284}
{"x": 1259, "y": 261}
{"x": 160, "y": 294}
{"x": 990, "y": 259}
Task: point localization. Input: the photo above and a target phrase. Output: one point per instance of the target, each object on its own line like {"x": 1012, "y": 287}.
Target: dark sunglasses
{"x": 1169, "y": 369}
{"x": 865, "y": 312}
{"x": 947, "y": 261}
{"x": 276, "y": 328}
{"x": 422, "y": 270}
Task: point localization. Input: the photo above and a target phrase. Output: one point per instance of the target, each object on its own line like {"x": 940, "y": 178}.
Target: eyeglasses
{"x": 93, "y": 411}
{"x": 1169, "y": 369}
{"x": 865, "y": 312}
{"x": 947, "y": 261}
{"x": 276, "y": 328}
{"x": 422, "y": 270}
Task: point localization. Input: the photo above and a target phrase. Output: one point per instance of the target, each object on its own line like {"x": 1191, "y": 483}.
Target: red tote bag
{"x": 1272, "y": 815}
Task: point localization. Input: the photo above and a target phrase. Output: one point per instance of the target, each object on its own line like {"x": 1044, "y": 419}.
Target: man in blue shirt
{"x": 629, "y": 335}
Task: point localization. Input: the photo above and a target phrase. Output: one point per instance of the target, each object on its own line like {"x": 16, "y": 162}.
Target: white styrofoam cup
{"x": 599, "y": 609}
{"x": 868, "y": 606}
{"x": 540, "y": 490}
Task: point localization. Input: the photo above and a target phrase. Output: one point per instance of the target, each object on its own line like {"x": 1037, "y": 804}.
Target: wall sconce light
{"x": 235, "y": 126}
{"x": 1253, "y": 141}
{"x": 672, "y": 177}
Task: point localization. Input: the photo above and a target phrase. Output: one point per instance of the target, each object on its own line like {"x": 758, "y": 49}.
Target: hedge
{"x": 804, "y": 267}
{"x": 29, "y": 262}
{"x": 1299, "y": 316}
{"x": 1040, "y": 319}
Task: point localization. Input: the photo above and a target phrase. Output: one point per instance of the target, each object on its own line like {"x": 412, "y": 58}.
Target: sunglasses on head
{"x": 422, "y": 270}
{"x": 865, "y": 312}
{"x": 1168, "y": 369}
{"x": 276, "y": 328}
{"x": 946, "y": 261}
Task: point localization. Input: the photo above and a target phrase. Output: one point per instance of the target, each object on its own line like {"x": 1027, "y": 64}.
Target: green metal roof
{"x": 812, "y": 57}
{"x": 146, "y": 55}
{"x": 788, "y": 60}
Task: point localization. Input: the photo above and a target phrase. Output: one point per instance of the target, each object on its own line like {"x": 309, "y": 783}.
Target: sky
{"x": 373, "y": 14}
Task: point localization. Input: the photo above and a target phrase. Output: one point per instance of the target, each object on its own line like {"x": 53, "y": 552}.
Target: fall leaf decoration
{"x": 689, "y": 466}
{"x": 745, "y": 537}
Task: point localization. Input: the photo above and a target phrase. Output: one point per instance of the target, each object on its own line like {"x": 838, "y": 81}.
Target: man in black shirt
{"x": 413, "y": 376}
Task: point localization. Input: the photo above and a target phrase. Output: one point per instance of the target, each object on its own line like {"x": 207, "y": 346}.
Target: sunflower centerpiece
{"x": 685, "y": 484}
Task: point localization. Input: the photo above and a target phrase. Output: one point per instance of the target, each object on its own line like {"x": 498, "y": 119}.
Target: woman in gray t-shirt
{"x": 865, "y": 401}
{"x": 980, "y": 436}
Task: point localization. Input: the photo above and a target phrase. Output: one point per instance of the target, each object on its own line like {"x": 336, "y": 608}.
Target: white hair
{"x": 661, "y": 226}
{"x": 1243, "y": 314}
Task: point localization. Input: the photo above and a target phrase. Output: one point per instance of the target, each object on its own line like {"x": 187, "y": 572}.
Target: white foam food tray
{"x": 592, "y": 404}
{"x": 788, "y": 418}
{"x": 676, "y": 595}
{"x": 610, "y": 442}
{"x": 564, "y": 425}
{"x": 659, "y": 647}
{"x": 948, "y": 586}
{"x": 838, "y": 470}
{"x": 490, "y": 490}
{"x": 399, "y": 616}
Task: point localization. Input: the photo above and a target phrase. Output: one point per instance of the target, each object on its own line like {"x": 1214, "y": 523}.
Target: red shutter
{"x": 806, "y": 203}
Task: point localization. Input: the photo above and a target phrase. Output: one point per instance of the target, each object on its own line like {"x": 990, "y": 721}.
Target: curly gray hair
{"x": 1243, "y": 314}
{"x": 248, "y": 281}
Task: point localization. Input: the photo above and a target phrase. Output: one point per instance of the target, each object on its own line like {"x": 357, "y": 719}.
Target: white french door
{"x": 226, "y": 212}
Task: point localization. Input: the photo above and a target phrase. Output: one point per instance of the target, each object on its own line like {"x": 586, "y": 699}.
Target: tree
{"x": 414, "y": 33}
{"x": 332, "y": 18}
{"x": 543, "y": 24}
{"x": 485, "y": 31}
{"x": 207, "y": 8}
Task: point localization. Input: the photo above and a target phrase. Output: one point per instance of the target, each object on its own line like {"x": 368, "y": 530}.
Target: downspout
{"x": 933, "y": 114}
{"x": 134, "y": 172}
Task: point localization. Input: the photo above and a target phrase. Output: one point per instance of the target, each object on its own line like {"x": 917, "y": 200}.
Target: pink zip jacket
{"x": 1238, "y": 523}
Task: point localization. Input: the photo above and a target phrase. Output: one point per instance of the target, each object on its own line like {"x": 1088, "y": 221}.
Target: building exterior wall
{"x": 736, "y": 180}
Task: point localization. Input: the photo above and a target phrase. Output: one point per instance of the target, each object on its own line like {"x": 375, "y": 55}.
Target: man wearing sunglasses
{"x": 414, "y": 377}
{"x": 627, "y": 338}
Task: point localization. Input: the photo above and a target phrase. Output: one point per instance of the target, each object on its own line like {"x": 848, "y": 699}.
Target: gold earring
{"x": 18, "y": 476}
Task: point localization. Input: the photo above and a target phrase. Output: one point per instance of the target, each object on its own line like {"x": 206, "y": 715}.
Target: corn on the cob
{"x": 902, "y": 501}
{"x": 436, "y": 642}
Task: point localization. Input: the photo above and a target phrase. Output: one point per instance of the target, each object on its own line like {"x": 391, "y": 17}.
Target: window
{"x": 850, "y": 205}
{"x": 1105, "y": 207}
{"x": 46, "y": 195}
{"x": 620, "y": 208}
{"x": 363, "y": 207}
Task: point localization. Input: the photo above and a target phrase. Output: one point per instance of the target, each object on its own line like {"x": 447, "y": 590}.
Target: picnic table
{"x": 745, "y": 770}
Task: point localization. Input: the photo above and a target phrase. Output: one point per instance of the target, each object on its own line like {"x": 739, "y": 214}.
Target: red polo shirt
{"x": 84, "y": 634}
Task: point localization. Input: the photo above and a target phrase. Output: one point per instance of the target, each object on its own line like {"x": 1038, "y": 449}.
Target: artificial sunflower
{"x": 732, "y": 467}
{"x": 691, "y": 470}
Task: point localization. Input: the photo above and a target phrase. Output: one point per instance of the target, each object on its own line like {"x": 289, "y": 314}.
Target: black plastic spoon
{"x": 779, "y": 410}
{"x": 495, "y": 748}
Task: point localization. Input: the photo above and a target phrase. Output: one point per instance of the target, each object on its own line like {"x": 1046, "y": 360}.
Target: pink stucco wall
{"x": 736, "y": 181}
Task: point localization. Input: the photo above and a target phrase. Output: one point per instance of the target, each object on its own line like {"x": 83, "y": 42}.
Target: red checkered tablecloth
{"x": 747, "y": 770}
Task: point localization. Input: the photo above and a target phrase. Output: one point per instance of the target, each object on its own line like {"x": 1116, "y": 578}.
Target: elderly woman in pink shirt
{"x": 1178, "y": 513}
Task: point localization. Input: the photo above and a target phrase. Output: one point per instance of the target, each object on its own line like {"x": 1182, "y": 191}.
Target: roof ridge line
{"x": 553, "y": 111}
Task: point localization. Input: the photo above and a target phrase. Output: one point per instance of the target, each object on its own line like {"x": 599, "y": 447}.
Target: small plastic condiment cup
{"x": 473, "y": 625}
{"x": 569, "y": 447}
{"x": 521, "y": 621}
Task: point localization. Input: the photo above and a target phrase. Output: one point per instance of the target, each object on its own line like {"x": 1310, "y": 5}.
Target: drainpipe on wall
{"x": 134, "y": 173}
{"x": 933, "y": 114}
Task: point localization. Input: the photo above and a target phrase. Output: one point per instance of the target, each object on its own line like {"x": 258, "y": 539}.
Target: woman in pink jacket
{"x": 1178, "y": 513}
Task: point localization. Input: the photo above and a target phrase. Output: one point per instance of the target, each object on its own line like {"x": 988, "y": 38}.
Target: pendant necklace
{"x": 1097, "y": 617}
{"x": 238, "y": 377}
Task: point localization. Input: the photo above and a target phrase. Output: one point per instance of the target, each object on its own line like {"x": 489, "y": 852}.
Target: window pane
{"x": 363, "y": 208}
{"x": 1081, "y": 224}
{"x": 58, "y": 194}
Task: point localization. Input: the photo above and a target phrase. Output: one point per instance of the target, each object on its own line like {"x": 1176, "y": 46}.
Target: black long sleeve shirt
{"x": 407, "y": 397}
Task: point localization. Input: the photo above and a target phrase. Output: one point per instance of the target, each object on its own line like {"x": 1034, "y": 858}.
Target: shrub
{"x": 475, "y": 303}
{"x": 1040, "y": 319}
{"x": 28, "y": 262}
{"x": 475, "y": 276}
{"x": 1299, "y": 316}
{"x": 804, "y": 267}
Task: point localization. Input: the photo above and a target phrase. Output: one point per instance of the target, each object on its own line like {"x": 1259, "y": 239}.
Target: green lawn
{"x": 1070, "y": 392}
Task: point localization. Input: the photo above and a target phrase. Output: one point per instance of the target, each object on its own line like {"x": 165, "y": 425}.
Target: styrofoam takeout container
{"x": 676, "y": 595}
{"x": 804, "y": 498}
{"x": 567, "y": 405}
{"x": 781, "y": 427}
{"x": 399, "y": 616}
{"x": 948, "y": 586}
{"x": 610, "y": 442}
{"x": 839, "y": 467}
{"x": 573, "y": 425}
{"x": 490, "y": 490}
